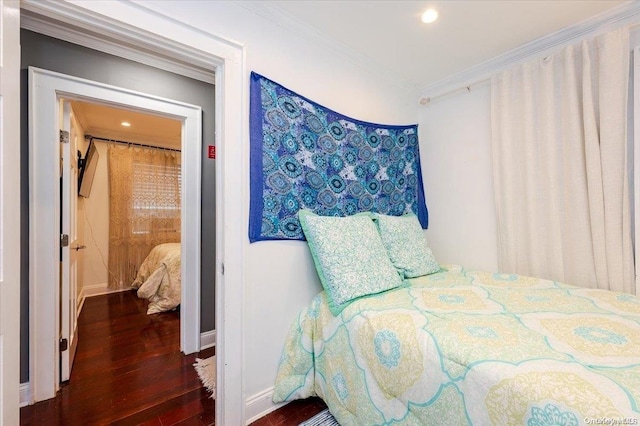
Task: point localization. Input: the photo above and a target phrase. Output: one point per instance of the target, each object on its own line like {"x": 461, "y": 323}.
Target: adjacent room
{"x": 129, "y": 206}
{"x": 112, "y": 296}
{"x": 121, "y": 266}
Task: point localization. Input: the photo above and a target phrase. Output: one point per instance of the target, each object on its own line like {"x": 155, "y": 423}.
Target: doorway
{"x": 46, "y": 90}
{"x": 121, "y": 212}
{"x": 184, "y": 43}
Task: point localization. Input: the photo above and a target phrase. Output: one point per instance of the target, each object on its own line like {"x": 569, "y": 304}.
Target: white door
{"x": 9, "y": 212}
{"x": 68, "y": 240}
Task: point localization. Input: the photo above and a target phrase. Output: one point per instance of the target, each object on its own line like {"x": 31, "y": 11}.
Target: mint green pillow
{"x": 406, "y": 245}
{"x": 349, "y": 257}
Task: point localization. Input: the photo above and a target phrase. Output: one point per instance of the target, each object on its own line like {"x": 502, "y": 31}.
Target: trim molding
{"x": 33, "y": 22}
{"x": 80, "y": 302}
{"x": 96, "y": 290}
{"x": 261, "y": 404}
{"x": 207, "y": 339}
{"x": 136, "y": 23}
{"x": 25, "y": 394}
{"x": 99, "y": 289}
{"x": 625, "y": 14}
{"x": 274, "y": 13}
{"x": 45, "y": 88}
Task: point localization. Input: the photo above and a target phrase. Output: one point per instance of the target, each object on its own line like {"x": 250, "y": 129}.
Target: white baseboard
{"x": 261, "y": 404}
{"x": 99, "y": 289}
{"x": 25, "y": 394}
{"x": 80, "y": 301}
{"x": 207, "y": 339}
{"x": 95, "y": 290}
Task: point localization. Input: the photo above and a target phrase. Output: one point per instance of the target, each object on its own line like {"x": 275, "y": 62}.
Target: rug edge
{"x": 208, "y": 380}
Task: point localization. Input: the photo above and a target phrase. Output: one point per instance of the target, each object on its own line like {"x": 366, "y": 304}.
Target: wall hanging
{"x": 304, "y": 155}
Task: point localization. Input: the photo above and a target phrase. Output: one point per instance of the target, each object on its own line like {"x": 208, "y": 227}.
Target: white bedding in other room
{"x": 159, "y": 278}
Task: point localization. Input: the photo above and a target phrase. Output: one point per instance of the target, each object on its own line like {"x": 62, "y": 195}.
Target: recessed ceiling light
{"x": 126, "y": 124}
{"x": 429, "y": 16}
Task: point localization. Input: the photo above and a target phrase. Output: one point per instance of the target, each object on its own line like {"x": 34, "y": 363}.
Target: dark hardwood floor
{"x": 293, "y": 413}
{"x": 129, "y": 370}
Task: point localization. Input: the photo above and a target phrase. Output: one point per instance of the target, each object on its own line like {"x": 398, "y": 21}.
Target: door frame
{"x": 46, "y": 89}
{"x": 133, "y": 25}
{"x": 10, "y": 220}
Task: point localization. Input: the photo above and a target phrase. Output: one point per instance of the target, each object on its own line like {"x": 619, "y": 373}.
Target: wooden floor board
{"x": 128, "y": 370}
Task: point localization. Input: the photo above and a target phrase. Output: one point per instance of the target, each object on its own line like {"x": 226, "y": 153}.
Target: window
{"x": 155, "y": 198}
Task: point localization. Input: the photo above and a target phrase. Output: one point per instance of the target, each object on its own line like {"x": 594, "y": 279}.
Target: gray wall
{"x": 55, "y": 55}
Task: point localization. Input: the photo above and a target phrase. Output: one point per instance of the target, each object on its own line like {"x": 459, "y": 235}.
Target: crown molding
{"x": 105, "y": 37}
{"x": 625, "y": 14}
{"x": 281, "y": 18}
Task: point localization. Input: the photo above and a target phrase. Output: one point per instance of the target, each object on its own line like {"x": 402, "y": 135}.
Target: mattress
{"x": 469, "y": 347}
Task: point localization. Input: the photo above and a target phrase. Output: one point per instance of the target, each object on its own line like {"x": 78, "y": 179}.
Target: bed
{"x": 467, "y": 347}
{"x": 159, "y": 278}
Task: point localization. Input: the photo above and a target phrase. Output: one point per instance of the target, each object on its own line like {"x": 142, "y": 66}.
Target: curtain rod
{"x": 627, "y": 19}
{"x": 130, "y": 143}
{"x": 425, "y": 100}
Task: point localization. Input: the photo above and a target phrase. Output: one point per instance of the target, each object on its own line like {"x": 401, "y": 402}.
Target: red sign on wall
{"x": 212, "y": 151}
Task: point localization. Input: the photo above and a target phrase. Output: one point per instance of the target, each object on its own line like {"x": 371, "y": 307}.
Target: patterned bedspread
{"x": 159, "y": 278}
{"x": 464, "y": 347}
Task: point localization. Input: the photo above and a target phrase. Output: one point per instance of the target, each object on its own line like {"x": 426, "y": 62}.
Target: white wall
{"x": 81, "y": 145}
{"x": 455, "y": 135}
{"x": 93, "y": 220}
{"x": 455, "y": 152}
{"x": 279, "y": 276}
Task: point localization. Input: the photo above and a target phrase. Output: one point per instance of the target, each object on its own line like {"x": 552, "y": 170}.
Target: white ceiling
{"x": 467, "y": 33}
{"x": 104, "y": 121}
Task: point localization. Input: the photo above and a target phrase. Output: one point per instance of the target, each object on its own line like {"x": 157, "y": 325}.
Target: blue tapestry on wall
{"x": 306, "y": 156}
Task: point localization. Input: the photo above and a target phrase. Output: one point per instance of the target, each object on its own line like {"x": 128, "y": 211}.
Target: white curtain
{"x": 559, "y": 160}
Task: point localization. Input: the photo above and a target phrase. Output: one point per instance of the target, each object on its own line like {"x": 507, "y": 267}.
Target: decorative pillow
{"x": 349, "y": 257}
{"x": 406, "y": 245}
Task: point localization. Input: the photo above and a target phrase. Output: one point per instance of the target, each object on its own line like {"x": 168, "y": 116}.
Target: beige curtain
{"x": 144, "y": 186}
{"x": 560, "y": 165}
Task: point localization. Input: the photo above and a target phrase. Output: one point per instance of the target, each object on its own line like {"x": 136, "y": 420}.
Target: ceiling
{"x": 467, "y": 33}
{"x": 104, "y": 121}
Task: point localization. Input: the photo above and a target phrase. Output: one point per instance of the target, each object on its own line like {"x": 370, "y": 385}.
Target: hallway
{"x": 128, "y": 370}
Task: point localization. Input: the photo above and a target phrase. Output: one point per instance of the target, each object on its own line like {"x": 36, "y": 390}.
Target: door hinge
{"x": 64, "y": 345}
{"x": 64, "y": 240}
{"x": 64, "y": 136}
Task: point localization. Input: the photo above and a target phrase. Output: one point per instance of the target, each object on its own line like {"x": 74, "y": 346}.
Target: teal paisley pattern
{"x": 550, "y": 415}
{"x": 349, "y": 257}
{"x": 469, "y": 348}
{"x": 306, "y": 156}
{"x": 387, "y": 348}
{"x": 406, "y": 245}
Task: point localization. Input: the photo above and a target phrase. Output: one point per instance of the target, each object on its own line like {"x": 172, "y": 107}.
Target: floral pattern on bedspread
{"x": 466, "y": 347}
